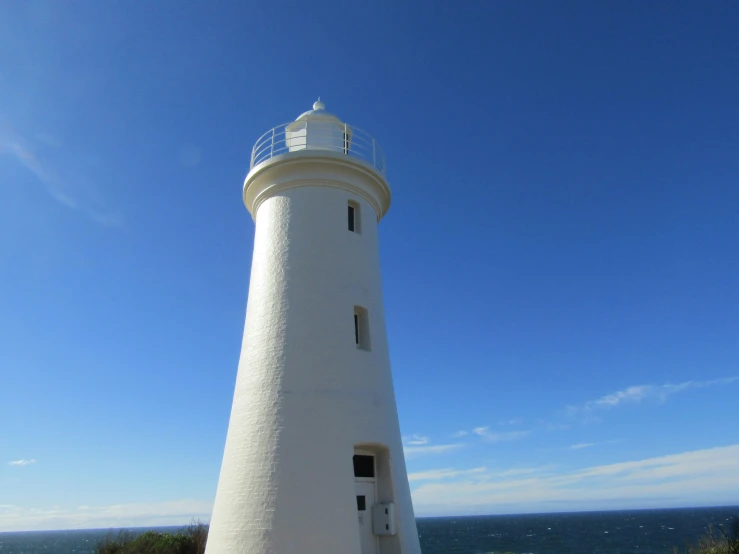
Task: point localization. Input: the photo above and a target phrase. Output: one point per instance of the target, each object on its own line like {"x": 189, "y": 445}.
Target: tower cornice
{"x": 315, "y": 168}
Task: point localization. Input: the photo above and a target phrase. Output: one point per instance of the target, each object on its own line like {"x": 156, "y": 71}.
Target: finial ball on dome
{"x": 318, "y": 105}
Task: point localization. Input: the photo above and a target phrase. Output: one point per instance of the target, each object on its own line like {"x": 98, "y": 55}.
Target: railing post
{"x": 272, "y": 146}
{"x": 374, "y": 156}
{"x": 346, "y": 141}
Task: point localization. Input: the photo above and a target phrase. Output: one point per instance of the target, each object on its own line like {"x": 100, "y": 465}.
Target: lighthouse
{"x": 313, "y": 462}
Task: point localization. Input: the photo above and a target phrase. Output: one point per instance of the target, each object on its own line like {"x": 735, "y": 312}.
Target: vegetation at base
{"x": 190, "y": 540}
{"x": 717, "y": 541}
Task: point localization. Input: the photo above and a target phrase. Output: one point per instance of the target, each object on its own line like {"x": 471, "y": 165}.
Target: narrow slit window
{"x": 353, "y": 215}
{"x": 361, "y": 328}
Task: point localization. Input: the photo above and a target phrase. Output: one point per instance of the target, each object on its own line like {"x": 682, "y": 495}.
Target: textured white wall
{"x": 305, "y": 395}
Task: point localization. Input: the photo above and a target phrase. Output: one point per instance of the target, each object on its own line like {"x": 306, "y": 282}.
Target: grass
{"x": 189, "y": 540}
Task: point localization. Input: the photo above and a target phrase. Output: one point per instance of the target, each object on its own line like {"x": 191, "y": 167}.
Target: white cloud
{"x": 581, "y": 445}
{"x": 21, "y": 463}
{"x": 521, "y": 471}
{"x": 177, "y": 512}
{"x": 639, "y": 393}
{"x": 440, "y": 474}
{"x": 494, "y": 436}
{"x": 416, "y": 440}
{"x": 414, "y": 451}
{"x": 484, "y": 431}
{"x": 480, "y": 473}
{"x": 55, "y": 187}
{"x": 701, "y": 477}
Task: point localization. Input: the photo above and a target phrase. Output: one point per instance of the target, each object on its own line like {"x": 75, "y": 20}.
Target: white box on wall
{"x": 383, "y": 518}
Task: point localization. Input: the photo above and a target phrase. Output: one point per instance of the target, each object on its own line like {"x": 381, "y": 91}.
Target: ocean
{"x": 621, "y": 532}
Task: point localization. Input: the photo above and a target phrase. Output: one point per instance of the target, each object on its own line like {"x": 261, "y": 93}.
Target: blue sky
{"x": 560, "y": 262}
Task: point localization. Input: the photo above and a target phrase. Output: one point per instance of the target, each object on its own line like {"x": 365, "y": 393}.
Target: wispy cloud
{"x": 641, "y": 393}
{"x": 478, "y": 473}
{"x": 414, "y": 451}
{"x": 512, "y": 421}
{"x": 417, "y": 445}
{"x": 21, "y": 463}
{"x": 416, "y": 440}
{"x": 581, "y": 445}
{"x": 177, "y": 512}
{"x": 56, "y": 188}
{"x": 440, "y": 474}
{"x": 420, "y": 445}
{"x": 484, "y": 431}
{"x": 518, "y": 471}
{"x": 701, "y": 477}
{"x": 490, "y": 435}
{"x": 495, "y": 436}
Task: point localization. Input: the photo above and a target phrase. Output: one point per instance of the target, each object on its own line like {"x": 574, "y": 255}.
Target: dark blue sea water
{"x": 625, "y": 532}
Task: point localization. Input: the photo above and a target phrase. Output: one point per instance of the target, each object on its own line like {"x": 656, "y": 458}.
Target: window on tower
{"x": 354, "y": 221}
{"x": 364, "y": 466}
{"x": 361, "y": 328}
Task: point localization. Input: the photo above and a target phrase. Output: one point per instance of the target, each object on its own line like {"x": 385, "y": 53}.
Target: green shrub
{"x": 190, "y": 540}
{"x": 717, "y": 540}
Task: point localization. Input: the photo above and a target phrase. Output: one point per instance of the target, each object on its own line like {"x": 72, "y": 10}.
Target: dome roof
{"x": 319, "y": 113}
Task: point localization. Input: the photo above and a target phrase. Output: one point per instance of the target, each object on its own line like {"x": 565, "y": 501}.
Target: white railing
{"x": 318, "y": 135}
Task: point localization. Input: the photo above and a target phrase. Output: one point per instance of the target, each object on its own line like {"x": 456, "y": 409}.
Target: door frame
{"x": 367, "y": 480}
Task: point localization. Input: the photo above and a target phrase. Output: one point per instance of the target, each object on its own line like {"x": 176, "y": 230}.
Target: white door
{"x": 365, "y": 501}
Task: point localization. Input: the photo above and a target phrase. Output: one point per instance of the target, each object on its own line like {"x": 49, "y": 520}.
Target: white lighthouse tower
{"x": 313, "y": 462}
